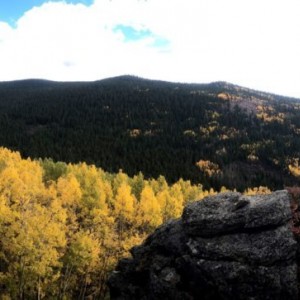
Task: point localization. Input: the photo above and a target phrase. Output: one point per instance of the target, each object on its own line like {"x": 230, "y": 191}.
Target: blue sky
{"x": 12, "y": 10}
{"x": 132, "y": 34}
{"x": 252, "y": 43}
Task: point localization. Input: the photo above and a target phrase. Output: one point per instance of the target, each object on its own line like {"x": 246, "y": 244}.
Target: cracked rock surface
{"x": 227, "y": 246}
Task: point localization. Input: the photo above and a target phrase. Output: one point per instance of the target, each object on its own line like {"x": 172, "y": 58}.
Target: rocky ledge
{"x": 227, "y": 246}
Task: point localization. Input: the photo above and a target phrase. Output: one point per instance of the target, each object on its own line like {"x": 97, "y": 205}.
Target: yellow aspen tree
{"x": 137, "y": 184}
{"x": 93, "y": 198}
{"x": 124, "y": 205}
{"x": 148, "y": 211}
{"x": 7, "y": 157}
{"x": 163, "y": 199}
{"x": 81, "y": 261}
{"x": 190, "y": 192}
{"x": 124, "y": 210}
{"x": 158, "y": 185}
{"x": 171, "y": 203}
{"x": 68, "y": 189}
{"x": 69, "y": 195}
{"x": 118, "y": 180}
{"x": 91, "y": 185}
{"x": 106, "y": 187}
{"x": 176, "y": 200}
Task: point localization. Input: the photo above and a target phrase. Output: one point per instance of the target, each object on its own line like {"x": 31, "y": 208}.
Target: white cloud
{"x": 252, "y": 43}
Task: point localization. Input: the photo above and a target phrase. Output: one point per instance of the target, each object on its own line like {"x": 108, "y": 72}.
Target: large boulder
{"x": 227, "y": 246}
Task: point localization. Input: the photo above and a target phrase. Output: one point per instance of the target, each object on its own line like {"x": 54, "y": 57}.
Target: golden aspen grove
{"x": 64, "y": 226}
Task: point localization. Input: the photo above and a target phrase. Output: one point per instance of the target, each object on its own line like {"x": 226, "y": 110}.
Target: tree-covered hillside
{"x": 217, "y": 134}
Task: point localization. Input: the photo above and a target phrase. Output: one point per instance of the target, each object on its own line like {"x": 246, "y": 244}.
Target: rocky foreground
{"x": 227, "y": 246}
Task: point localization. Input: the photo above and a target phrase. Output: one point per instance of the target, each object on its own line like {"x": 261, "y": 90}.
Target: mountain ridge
{"x": 228, "y": 86}
{"x": 214, "y": 134}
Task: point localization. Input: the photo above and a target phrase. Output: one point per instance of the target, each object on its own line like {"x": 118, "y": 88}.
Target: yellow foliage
{"x": 148, "y": 211}
{"x": 208, "y": 167}
{"x": 294, "y": 170}
{"x": 170, "y": 207}
{"x": 68, "y": 189}
{"x": 257, "y": 191}
{"x": 62, "y": 233}
{"x": 124, "y": 205}
{"x": 83, "y": 253}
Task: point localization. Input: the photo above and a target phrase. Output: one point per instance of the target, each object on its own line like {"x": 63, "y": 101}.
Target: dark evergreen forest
{"x": 215, "y": 134}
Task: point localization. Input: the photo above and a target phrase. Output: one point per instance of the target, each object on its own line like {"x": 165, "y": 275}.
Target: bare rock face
{"x": 227, "y": 246}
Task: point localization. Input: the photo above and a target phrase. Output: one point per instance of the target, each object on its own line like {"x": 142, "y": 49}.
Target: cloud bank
{"x": 251, "y": 43}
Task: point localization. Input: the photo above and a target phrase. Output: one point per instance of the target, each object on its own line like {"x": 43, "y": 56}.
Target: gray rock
{"x": 225, "y": 247}
{"x": 229, "y": 212}
{"x": 267, "y": 247}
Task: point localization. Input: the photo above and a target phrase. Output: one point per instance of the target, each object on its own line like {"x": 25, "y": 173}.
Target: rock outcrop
{"x": 227, "y": 246}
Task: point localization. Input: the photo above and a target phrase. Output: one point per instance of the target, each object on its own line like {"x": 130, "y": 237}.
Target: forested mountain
{"x": 215, "y": 134}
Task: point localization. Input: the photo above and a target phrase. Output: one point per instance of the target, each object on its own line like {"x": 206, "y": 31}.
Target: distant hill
{"x": 216, "y": 134}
